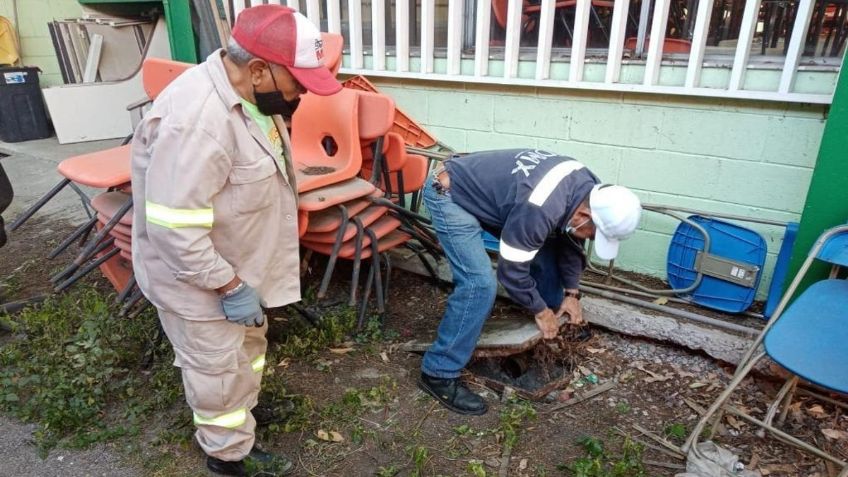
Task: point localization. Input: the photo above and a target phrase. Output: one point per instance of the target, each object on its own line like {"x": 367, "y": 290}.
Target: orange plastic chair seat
{"x": 367, "y": 216}
{"x": 157, "y": 73}
{"x": 120, "y": 236}
{"x": 414, "y": 174}
{"x": 335, "y": 194}
{"x": 123, "y": 245}
{"x": 119, "y": 227}
{"x": 670, "y": 45}
{"x": 108, "y": 203}
{"x": 126, "y": 255}
{"x": 302, "y": 222}
{"x": 101, "y": 169}
{"x": 330, "y": 219}
{"x": 348, "y": 250}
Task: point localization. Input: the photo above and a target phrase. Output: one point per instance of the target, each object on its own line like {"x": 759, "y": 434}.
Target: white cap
{"x": 615, "y": 212}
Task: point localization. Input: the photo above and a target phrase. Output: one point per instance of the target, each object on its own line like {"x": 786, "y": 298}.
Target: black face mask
{"x": 274, "y": 102}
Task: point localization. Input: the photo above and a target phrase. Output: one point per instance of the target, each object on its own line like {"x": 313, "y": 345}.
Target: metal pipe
{"x": 672, "y": 299}
{"x": 658, "y": 208}
{"x": 671, "y": 311}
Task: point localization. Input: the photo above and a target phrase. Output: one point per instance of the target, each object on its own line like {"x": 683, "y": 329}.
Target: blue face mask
{"x": 569, "y": 229}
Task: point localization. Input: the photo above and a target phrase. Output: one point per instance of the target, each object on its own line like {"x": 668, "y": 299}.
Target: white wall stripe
{"x": 402, "y": 36}
{"x": 513, "y": 38}
{"x": 516, "y": 255}
{"x": 428, "y": 26}
{"x": 546, "y": 35}
{"x": 655, "y": 44}
{"x": 378, "y": 33}
{"x": 546, "y": 186}
{"x": 743, "y": 46}
{"x": 481, "y": 47}
{"x": 617, "y": 34}
{"x": 796, "y": 45}
{"x": 334, "y": 16}
{"x": 699, "y": 43}
{"x": 354, "y": 11}
{"x": 455, "y": 10}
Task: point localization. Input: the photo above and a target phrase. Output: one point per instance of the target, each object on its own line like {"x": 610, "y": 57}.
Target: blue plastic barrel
{"x": 727, "y": 240}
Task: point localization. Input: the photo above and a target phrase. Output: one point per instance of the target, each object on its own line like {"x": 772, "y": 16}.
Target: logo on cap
{"x": 319, "y": 49}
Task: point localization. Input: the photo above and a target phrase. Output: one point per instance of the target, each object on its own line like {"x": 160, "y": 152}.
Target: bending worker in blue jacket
{"x": 543, "y": 206}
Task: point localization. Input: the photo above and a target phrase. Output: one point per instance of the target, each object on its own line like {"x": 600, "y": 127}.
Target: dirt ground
{"x": 367, "y": 417}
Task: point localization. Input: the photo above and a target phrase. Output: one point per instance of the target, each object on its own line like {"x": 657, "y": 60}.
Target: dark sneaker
{"x": 453, "y": 395}
{"x": 256, "y": 464}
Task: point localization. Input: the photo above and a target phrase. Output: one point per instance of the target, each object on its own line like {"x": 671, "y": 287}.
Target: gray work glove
{"x": 242, "y": 307}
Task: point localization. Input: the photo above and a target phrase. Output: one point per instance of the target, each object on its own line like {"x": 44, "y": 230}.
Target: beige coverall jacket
{"x": 211, "y": 202}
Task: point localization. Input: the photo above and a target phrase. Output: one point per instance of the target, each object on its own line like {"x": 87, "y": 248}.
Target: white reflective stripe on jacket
{"x": 210, "y": 200}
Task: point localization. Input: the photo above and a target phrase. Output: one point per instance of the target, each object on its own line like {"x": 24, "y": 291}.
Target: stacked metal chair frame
{"x": 806, "y": 338}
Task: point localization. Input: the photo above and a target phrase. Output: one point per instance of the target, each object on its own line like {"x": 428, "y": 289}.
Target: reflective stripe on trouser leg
{"x": 220, "y": 384}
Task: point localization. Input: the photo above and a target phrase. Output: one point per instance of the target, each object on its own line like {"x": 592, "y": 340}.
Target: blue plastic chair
{"x": 809, "y": 338}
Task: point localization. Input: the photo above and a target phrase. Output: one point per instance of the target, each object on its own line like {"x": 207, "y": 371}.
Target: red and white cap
{"x": 283, "y": 36}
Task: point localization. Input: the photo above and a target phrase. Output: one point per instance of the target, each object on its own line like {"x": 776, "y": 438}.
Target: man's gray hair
{"x": 237, "y": 53}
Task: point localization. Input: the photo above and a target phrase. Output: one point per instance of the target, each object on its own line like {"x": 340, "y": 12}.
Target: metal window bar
{"x": 378, "y": 33}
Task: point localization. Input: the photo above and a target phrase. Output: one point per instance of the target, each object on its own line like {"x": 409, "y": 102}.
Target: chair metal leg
{"x": 134, "y": 298}
{"x": 82, "y": 271}
{"x": 782, "y": 396}
{"x": 126, "y": 291}
{"x": 88, "y": 250}
{"x": 39, "y": 204}
{"x": 787, "y": 403}
{"x": 366, "y": 294}
{"x": 719, "y": 402}
{"x": 81, "y": 231}
{"x": 84, "y": 199}
{"x": 138, "y": 311}
{"x": 334, "y": 254}
{"x": 786, "y": 437}
{"x": 357, "y": 260}
{"x": 386, "y": 281}
{"x": 375, "y": 263}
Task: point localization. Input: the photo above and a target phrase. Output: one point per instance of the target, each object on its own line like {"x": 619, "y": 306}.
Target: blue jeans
{"x": 475, "y": 285}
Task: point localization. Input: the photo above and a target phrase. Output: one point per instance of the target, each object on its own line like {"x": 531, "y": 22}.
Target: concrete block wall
{"x": 747, "y": 158}
{"x": 36, "y": 46}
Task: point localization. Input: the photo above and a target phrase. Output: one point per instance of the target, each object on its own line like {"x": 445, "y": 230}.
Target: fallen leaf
{"x": 654, "y": 377}
{"x": 816, "y": 411}
{"x": 584, "y": 370}
{"x": 596, "y": 350}
{"x": 835, "y": 434}
{"x": 685, "y": 374}
{"x": 341, "y": 350}
{"x": 522, "y": 465}
{"x": 384, "y": 356}
{"x": 661, "y": 300}
{"x": 284, "y": 363}
{"x": 331, "y": 436}
{"x": 734, "y": 422}
{"x": 697, "y": 385}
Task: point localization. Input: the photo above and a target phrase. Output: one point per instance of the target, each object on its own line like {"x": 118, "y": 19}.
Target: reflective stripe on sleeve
{"x": 258, "y": 364}
{"x": 177, "y": 218}
{"x": 551, "y": 180}
{"x": 516, "y": 255}
{"x": 231, "y": 420}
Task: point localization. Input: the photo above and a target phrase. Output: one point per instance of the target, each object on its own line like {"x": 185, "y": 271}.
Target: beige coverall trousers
{"x": 221, "y": 365}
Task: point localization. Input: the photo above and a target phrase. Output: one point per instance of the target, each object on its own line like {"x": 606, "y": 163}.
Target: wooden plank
{"x": 655, "y": 46}
{"x": 455, "y": 9}
{"x": 481, "y": 44}
{"x": 378, "y": 33}
{"x": 93, "y": 60}
{"x": 743, "y": 46}
{"x": 546, "y": 37}
{"x": 402, "y": 35}
{"x": 578, "y": 44}
{"x": 699, "y": 43}
{"x": 796, "y": 45}
{"x": 618, "y": 32}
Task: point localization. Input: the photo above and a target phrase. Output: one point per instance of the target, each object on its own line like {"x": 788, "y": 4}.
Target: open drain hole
{"x": 532, "y": 374}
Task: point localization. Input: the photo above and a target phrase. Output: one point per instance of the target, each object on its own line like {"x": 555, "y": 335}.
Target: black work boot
{"x": 453, "y": 394}
{"x": 256, "y": 464}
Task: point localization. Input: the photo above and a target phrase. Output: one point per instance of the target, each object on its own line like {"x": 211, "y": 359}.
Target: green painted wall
{"x": 37, "y": 49}
{"x": 751, "y": 158}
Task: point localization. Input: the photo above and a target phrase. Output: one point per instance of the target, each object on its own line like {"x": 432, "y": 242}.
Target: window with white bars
{"x": 703, "y": 47}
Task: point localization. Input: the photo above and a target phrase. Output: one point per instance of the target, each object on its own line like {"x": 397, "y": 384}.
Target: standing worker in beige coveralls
{"x": 215, "y": 226}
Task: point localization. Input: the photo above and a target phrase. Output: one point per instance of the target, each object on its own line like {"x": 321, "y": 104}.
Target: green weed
{"x": 599, "y": 462}
{"x": 512, "y": 418}
{"x": 676, "y": 431}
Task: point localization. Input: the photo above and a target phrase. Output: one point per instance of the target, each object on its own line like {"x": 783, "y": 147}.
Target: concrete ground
{"x": 31, "y": 167}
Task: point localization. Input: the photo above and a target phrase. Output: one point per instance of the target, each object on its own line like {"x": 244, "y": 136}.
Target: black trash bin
{"x": 22, "y": 115}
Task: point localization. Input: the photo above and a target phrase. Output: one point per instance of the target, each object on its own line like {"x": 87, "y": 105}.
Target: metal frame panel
{"x": 402, "y": 35}
{"x": 699, "y": 43}
{"x": 618, "y": 31}
{"x": 796, "y": 45}
{"x": 743, "y": 47}
{"x": 354, "y": 9}
{"x": 513, "y": 38}
{"x": 428, "y": 27}
{"x": 655, "y": 48}
{"x": 334, "y": 16}
{"x": 455, "y": 11}
{"x": 546, "y": 37}
{"x": 378, "y": 33}
{"x": 578, "y": 43}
